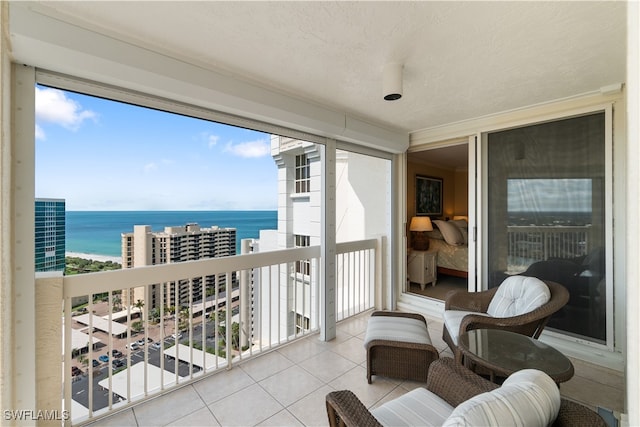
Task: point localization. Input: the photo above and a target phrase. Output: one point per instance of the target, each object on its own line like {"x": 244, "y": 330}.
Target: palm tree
{"x": 117, "y": 303}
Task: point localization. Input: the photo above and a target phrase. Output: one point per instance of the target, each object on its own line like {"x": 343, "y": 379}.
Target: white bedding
{"x": 449, "y": 256}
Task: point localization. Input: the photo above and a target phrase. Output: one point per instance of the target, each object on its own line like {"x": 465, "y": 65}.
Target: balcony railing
{"x": 528, "y": 244}
{"x": 181, "y": 327}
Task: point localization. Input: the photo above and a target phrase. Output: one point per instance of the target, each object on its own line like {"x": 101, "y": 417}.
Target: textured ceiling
{"x": 461, "y": 59}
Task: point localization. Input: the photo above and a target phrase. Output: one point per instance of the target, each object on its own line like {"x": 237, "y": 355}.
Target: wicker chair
{"x": 455, "y": 384}
{"x": 530, "y": 324}
{"x": 407, "y": 359}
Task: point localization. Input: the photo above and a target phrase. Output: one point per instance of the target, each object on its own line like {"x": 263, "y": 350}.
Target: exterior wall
{"x": 298, "y": 214}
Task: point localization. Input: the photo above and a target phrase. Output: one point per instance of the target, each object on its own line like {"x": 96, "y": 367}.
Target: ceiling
{"x": 461, "y": 59}
{"x": 454, "y": 157}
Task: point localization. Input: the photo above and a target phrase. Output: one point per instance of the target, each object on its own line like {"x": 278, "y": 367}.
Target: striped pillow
{"x": 518, "y": 295}
{"x": 528, "y": 398}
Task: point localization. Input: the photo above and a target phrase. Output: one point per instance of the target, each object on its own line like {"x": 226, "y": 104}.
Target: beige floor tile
{"x": 168, "y": 408}
{"x": 266, "y": 365}
{"x": 303, "y": 349}
{"x": 222, "y": 384}
{"x": 327, "y": 366}
{"x": 201, "y": 417}
{"x": 311, "y": 410}
{"x": 125, "y": 418}
{"x": 393, "y": 394}
{"x": 354, "y": 326}
{"x": 593, "y": 394}
{"x": 290, "y": 385}
{"x": 282, "y": 418}
{"x": 352, "y": 349}
{"x": 598, "y": 374}
{"x": 356, "y": 381}
{"x": 247, "y": 407}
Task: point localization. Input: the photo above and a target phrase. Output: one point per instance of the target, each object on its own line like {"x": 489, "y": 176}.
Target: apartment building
{"x": 49, "y": 234}
{"x": 144, "y": 247}
{"x": 358, "y": 217}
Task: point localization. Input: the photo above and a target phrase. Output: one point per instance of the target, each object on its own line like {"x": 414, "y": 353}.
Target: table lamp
{"x": 419, "y": 226}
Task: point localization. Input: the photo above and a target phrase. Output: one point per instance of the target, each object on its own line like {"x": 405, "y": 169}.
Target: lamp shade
{"x": 420, "y": 223}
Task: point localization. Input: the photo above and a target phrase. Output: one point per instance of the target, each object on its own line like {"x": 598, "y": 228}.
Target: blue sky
{"x": 104, "y": 155}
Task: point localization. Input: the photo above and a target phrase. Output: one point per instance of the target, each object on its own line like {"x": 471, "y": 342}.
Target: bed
{"x": 450, "y": 239}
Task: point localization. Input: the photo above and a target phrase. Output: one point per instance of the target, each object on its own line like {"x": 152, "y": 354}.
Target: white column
{"x": 328, "y": 243}
{"x": 23, "y": 185}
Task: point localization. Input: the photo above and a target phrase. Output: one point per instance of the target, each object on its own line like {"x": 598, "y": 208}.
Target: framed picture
{"x": 428, "y": 196}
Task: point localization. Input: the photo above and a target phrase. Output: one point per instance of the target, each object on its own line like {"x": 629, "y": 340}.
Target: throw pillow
{"x": 527, "y": 398}
{"x": 450, "y": 232}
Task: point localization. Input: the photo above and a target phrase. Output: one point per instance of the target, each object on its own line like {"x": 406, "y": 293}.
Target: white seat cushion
{"x": 419, "y": 407}
{"x": 395, "y": 328}
{"x": 518, "y": 295}
{"x": 528, "y": 398}
{"x": 452, "y": 320}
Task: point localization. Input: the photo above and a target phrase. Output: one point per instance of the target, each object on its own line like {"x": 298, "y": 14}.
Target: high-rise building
{"x": 190, "y": 242}
{"x": 360, "y": 187}
{"x": 50, "y": 234}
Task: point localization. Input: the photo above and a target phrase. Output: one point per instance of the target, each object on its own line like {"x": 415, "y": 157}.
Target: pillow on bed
{"x": 450, "y": 232}
{"x": 463, "y": 226}
{"x": 435, "y": 234}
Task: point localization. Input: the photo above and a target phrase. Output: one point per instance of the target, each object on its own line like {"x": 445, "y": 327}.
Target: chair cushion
{"x": 527, "y": 398}
{"x": 452, "y": 320}
{"x": 419, "y": 407}
{"x": 396, "y": 328}
{"x": 518, "y": 295}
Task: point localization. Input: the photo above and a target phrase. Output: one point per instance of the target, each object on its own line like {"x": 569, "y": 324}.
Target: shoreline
{"x": 94, "y": 257}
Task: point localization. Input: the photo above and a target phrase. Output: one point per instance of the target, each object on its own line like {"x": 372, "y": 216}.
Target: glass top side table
{"x": 503, "y": 353}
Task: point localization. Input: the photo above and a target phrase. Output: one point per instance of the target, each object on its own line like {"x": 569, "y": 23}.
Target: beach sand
{"x": 94, "y": 257}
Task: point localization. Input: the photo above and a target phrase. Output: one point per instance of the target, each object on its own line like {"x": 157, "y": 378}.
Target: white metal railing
{"x": 528, "y": 244}
{"x": 194, "y": 328}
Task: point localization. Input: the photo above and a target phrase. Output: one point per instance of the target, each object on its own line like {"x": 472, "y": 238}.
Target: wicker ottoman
{"x": 398, "y": 346}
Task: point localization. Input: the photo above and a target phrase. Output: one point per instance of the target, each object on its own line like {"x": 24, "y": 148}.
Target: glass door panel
{"x": 546, "y": 214}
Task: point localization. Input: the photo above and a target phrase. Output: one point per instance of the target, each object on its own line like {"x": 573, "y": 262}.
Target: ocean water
{"x": 98, "y": 232}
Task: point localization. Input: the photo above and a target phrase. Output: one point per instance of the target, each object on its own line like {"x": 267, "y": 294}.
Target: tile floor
{"x": 287, "y": 387}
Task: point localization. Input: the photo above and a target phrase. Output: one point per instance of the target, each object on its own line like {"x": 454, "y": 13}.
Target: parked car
{"x": 116, "y": 353}
{"x": 103, "y": 358}
{"x": 133, "y": 346}
{"x": 95, "y": 363}
{"x": 75, "y": 371}
{"x": 119, "y": 363}
{"x": 149, "y": 339}
{"x": 176, "y": 337}
{"x": 141, "y": 342}
{"x": 155, "y": 346}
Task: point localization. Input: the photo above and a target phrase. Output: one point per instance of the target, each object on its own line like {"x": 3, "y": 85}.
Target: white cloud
{"x": 259, "y": 148}
{"x": 213, "y": 140}
{"x": 53, "y": 106}
{"x": 40, "y": 133}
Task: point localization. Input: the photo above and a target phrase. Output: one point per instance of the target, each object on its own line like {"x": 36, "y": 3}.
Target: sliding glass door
{"x": 546, "y": 198}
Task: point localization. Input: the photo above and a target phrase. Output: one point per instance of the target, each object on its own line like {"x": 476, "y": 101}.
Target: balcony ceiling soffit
{"x": 461, "y": 59}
